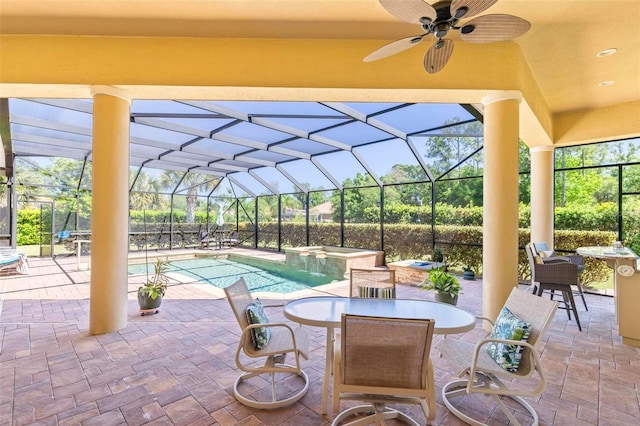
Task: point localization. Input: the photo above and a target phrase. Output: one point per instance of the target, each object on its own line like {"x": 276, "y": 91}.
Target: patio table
{"x": 326, "y": 312}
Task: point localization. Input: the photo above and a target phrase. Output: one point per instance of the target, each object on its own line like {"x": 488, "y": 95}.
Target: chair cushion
{"x": 377, "y": 292}
{"x": 255, "y": 315}
{"x": 545, "y": 253}
{"x": 509, "y": 327}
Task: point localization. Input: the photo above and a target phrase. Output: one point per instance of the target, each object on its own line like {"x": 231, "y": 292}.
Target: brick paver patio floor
{"x": 178, "y": 368}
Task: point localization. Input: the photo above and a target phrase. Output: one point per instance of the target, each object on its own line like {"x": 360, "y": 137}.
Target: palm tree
{"x": 145, "y": 196}
{"x": 189, "y": 183}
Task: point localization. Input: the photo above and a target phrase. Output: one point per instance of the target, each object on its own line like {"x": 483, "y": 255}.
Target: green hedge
{"x": 164, "y": 216}
{"x": 28, "y": 227}
{"x": 462, "y": 245}
{"x": 461, "y": 242}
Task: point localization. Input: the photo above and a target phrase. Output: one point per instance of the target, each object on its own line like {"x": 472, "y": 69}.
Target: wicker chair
{"x": 549, "y": 256}
{"x": 282, "y": 341}
{"x": 555, "y": 276}
{"x": 380, "y": 361}
{"x": 485, "y": 376}
{"x": 373, "y": 282}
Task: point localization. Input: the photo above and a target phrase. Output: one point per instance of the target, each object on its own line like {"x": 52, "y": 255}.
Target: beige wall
{"x": 332, "y": 70}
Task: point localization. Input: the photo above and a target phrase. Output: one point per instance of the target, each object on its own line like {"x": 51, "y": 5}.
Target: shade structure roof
{"x": 260, "y": 147}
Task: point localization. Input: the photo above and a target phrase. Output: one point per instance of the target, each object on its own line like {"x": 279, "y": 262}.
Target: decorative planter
{"x": 446, "y": 298}
{"x": 149, "y": 305}
{"x": 469, "y": 275}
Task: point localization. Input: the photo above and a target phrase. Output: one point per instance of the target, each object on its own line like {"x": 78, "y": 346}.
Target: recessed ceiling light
{"x": 606, "y": 52}
{"x": 606, "y": 83}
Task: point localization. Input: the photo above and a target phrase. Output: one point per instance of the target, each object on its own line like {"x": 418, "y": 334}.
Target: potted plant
{"x": 150, "y": 294}
{"x": 468, "y": 273}
{"x": 444, "y": 284}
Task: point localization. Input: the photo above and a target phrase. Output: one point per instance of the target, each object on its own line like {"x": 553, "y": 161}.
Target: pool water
{"x": 259, "y": 276}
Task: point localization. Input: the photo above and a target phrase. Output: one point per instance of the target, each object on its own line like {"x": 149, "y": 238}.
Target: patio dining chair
{"x": 552, "y": 277}
{"x": 268, "y": 341}
{"x": 372, "y": 282}
{"x": 497, "y": 365}
{"x": 383, "y": 361}
{"x": 550, "y": 256}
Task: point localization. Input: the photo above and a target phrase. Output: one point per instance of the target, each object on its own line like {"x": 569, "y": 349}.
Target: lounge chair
{"x": 205, "y": 240}
{"x": 10, "y": 258}
{"x": 231, "y": 240}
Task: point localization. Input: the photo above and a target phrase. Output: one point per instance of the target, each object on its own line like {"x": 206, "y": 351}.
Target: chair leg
{"x": 582, "y": 295}
{"x": 567, "y": 296}
{"x": 573, "y": 308}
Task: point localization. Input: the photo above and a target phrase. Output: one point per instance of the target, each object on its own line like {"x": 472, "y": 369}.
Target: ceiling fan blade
{"x": 438, "y": 56}
{"x": 492, "y": 28}
{"x": 409, "y": 10}
{"x": 393, "y": 48}
{"x": 469, "y": 8}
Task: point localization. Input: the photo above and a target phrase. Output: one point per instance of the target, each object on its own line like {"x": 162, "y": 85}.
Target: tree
{"x": 358, "y": 196}
{"x": 146, "y": 195}
{"x": 454, "y": 157}
{"x": 189, "y": 184}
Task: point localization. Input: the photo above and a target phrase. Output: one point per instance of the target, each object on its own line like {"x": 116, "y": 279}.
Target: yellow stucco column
{"x": 500, "y": 219}
{"x": 542, "y": 194}
{"x": 110, "y": 210}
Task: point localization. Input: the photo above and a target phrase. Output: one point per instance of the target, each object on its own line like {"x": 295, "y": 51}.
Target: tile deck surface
{"x": 178, "y": 367}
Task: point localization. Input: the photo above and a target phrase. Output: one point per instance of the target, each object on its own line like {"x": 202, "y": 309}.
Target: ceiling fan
{"x": 442, "y": 17}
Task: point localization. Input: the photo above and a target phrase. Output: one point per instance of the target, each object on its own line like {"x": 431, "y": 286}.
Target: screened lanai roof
{"x": 260, "y": 147}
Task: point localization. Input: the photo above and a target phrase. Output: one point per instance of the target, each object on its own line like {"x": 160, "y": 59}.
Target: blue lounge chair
{"x": 13, "y": 258}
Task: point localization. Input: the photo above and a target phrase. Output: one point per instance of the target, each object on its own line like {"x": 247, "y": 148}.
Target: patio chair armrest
{"x": 555, "y": 259}
{"x": 249, "y": 327}
{"x": 246, "y": 337}
{"x": 575, "y": 258}
{"x": 275, "y": 355}
{"x": 487, "y": 319}
{"x": 480, "y": 345}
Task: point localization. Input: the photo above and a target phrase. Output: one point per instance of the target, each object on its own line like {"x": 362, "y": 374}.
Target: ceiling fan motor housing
{"x": 443, "y": 22}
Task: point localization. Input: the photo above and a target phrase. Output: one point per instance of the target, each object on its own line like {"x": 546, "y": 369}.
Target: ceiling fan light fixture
{"x": 459, "y": 13}
{"x": 441, "y": 30}
{"x": 426, "y": 21}
{"x": 467, "y": 29}
{"x": 606, "y": 52}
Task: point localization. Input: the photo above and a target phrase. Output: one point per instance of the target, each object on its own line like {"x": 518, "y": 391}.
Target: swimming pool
{"x": 259, "y": 275}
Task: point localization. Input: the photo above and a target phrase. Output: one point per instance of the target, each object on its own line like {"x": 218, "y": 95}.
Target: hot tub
{"x": 330, "y": 260}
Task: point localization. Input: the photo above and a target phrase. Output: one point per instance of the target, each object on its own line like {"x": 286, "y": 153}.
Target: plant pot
{"x": 469, "y": 275}
{"x": 149, "y": 305}
{"x": 446, "y": 298}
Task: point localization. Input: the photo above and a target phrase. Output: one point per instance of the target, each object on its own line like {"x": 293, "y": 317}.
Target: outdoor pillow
{"x": 508, "y": 327}
{"x": 376, "y": 292}
{"x": 255, "y": 315}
